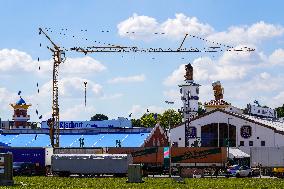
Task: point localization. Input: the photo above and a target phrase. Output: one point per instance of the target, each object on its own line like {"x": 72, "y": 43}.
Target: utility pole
{"x": 85, "y": 83}
{"x": 58, "y": 58}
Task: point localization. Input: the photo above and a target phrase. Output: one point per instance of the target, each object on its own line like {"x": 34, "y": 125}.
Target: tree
{"x": 280, "y": 111}
{"x": 99, "y": 117}
{"x": 148, "y": 120}
{"x": 170, "y": 117}
{"x": 136, "y": 123}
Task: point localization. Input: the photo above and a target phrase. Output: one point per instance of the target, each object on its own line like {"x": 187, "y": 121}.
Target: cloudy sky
{"x": 124, "y": 83}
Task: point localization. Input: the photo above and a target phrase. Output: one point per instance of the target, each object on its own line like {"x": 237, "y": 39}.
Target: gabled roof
{"x": 275, "y": 125}
{"x": 157, "y": 126}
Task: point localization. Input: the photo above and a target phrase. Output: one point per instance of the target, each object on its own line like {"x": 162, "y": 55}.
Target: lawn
{"x": 100, "y": 183}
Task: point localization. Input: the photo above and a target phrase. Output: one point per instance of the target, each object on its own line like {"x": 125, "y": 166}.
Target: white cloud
{"x": 6, "y": 98}
{"x": 71, "y": 87}
{"x": 277, "y": 57}
{"x": 13, "y": 60}
{"x": 230, "y": 66}
{"x": 78, "y": 112}
{"x": 181, "y": 24}
{"x": 138, "y": 110}
{"x": 279, "y": 99}
{"x": 144, "y": 27}
{"x": 247, "y": 34}
{"x": 112, "y": 96}
{"x": 129, "y": 79}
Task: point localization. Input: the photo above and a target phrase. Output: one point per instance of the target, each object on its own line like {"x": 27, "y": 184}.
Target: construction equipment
{"x": 58, "y": 58}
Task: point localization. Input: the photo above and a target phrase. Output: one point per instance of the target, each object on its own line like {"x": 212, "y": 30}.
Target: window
{"x": 262, "y": 143}
{"x": 250, "y": 143}
{"x": 242, "y": 143}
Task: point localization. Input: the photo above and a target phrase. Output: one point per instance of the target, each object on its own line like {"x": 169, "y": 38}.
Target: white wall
{"x": 178, "y": 133}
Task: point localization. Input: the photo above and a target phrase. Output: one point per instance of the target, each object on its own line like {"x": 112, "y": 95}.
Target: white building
{"x": 259, "y": 127}
{"x": 245, "y": 131}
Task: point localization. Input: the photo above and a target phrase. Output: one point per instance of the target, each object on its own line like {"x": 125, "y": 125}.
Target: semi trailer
{"x": 90, "y": 164}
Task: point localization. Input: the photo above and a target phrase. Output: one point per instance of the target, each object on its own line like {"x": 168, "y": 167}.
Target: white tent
{"x": 237, "y": 153}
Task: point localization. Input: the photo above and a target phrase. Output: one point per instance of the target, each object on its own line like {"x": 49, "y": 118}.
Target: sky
{"x": 124, "y": 83}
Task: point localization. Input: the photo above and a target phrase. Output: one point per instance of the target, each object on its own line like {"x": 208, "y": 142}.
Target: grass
{"x": 156, "y": 183}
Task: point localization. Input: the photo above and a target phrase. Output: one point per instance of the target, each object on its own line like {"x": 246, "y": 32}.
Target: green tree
{"x": 148, "y": 120}
{"x": 99, "y": 117}
{"x": 280, "y": 111}
{"x": 170, "y": 117}
{"x": 136, "y": 123}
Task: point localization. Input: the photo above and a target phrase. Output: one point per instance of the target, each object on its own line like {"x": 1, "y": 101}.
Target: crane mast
{"x": 53, "y": 123}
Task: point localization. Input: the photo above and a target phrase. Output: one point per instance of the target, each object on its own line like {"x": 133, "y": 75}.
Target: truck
{"x": 269, "y": 159}
{"x": 184, "y": 160}
{"x": 40, "y": 157}
{"x": 90, "y": 164}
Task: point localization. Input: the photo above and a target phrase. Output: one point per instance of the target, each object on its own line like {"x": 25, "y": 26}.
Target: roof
{"x": 72, "y": 140}
{"x": 275, "y": 124}
{"x": 237, "y": 153}
{"x": 20, "y": 101}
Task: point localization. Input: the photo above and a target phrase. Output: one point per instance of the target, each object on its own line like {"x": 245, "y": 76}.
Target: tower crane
{"x": 53, "y": 123}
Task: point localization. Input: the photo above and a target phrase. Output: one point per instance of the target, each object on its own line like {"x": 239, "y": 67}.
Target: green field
{"x": 99, "y": 183}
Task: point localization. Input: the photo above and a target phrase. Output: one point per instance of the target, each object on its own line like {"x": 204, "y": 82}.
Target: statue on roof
{"x": 218, "y": 90}
{"x": 188, "y": 72}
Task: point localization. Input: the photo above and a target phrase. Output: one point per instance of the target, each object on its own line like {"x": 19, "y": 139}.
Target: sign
{"x": 246, "y": 131}
{"x": 195, "y": 154}
{"x": 146, "y": 151}
{"x": 119, "y": 123}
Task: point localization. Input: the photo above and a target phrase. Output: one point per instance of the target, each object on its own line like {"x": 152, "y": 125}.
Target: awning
{"x": 237, "y": 153}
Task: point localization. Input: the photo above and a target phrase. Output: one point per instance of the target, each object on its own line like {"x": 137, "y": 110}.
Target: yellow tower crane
{"x": 53, "y": 123}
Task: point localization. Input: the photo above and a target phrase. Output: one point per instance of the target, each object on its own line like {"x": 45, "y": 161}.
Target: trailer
{"x": 39, "y": 156}
{"x": 90, "y": 164}
{"x": 269, "y": 159}
{"x": 184, "y": 160}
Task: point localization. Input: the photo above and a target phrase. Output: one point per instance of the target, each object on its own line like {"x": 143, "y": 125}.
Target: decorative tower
{"x": 20, "y": 116}
{"x": 189, "y": 96}
{"x": 218, "y": 102}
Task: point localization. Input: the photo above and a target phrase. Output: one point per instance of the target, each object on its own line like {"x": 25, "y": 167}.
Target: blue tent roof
{"x": 72, "y": 140}
{"x": 20, "y": 101}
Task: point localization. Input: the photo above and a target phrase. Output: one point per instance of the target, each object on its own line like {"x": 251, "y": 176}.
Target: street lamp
{"x": 228, "y": 138}
{"x": 170, "y": 154}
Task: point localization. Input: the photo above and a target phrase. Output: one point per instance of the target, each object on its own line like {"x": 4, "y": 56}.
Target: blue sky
{"x": 122, "y": 83}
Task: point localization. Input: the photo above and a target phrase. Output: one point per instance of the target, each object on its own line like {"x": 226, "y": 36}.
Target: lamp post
{"x": 170, "y": 154}
{"x": 228, "y": 138}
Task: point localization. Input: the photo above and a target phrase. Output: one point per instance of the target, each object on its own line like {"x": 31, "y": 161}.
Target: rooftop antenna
{"x": 85, "y": 83}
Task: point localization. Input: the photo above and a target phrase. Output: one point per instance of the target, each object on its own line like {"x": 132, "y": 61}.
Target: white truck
{"x": 90, "y": 164}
